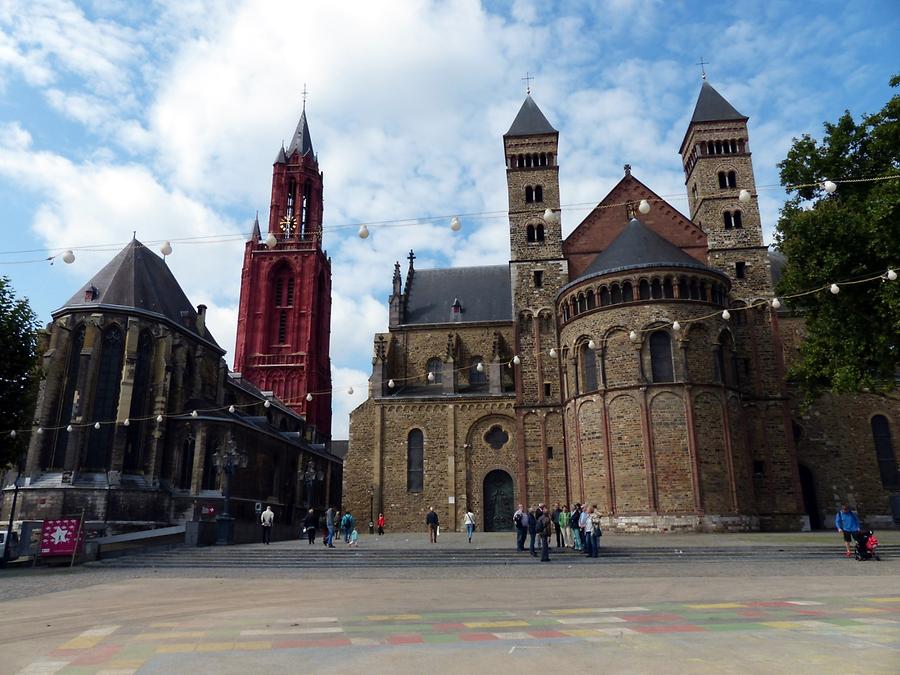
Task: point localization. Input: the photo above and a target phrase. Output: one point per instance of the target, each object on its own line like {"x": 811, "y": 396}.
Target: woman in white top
{"x": 469, "y": 520}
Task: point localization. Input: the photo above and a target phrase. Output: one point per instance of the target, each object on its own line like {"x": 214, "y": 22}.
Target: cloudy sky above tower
{"x": 164, "y": 118}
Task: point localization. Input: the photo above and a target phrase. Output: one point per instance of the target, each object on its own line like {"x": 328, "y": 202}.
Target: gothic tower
{"x": 718, "y": 168}
{"x": 284, "y": 318}
{"x": 537, "y": 271}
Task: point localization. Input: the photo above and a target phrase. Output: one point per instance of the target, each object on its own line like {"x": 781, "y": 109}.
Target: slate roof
{"x": 483, "y": 292}
{"x": 530, "y": 121}
{"x": 138, "y": 279}
{"x": 301, "y": 140}
{"x": 637, "y": 246}
{"x": 712, "y": 107}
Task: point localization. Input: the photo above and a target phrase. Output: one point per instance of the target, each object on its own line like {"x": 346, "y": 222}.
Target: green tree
{"x": 18, "y": 335}
{"x": 853, "y": 341}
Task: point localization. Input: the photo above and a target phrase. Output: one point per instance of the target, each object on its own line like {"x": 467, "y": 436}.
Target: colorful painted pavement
{"x": 116, "y": 650}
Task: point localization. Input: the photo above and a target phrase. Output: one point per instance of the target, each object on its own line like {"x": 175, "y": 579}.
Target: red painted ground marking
{"x": 811, "y": 612}
{"x": 448, "y": 627}
{"x": 771, "y": 604}
{"x": 300, "y": 644}
{"x": 477, "y": 637}
{"x": 411, "y": 639}
{"x": 751, "y": 614}
{"x": 96, "y": 656}
{"x": 671, "y": 628}
{"x": 63, "y": 653}
{"x": 546, "y": 634}
{"x": 653, "y": 618}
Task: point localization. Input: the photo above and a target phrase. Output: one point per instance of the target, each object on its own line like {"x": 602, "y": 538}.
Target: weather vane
{"x": 702, "y": 63}
{"x": 527, "y": 80}
{"x": 305, "y": 92}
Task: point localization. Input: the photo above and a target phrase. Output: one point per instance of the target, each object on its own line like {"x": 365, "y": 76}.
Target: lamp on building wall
{"x": 226, "y": 462}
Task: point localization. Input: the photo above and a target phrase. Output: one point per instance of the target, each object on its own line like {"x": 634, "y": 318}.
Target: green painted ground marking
{"x": 724, "y": 627}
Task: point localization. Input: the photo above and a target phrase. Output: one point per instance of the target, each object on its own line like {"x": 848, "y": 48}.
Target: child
{"x": 354, "y": 538}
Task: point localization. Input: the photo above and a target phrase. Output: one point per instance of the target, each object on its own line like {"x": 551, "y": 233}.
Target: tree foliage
{"x": 853, "y": 340}
{"x": 18, "y": 337}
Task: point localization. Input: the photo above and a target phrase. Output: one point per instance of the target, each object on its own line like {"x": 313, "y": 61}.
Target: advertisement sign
{"x": 61, "y": 537}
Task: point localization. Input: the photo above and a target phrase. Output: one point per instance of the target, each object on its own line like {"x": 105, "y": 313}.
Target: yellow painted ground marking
{"x": 882, "y": 599}
{"x": 292, "y": 631}
{"x": 252, "y": 645}
{"x": 165, "y": 624}
{"x": 44, "y": 668}
{"x": 171, "y": 635}
{"x": 496, "y": 624}
{"x": 592, "y": 619}
{"x": 584, "y": 632}
{"x": 394, "y": 617}
{"x": 90, "y": 638}
{"x": 866, "y": 610}
{"x": 514, "y": 635}
{"x": 615, "y": 631}
{"x": 117, "y": 671}
{"x": 215, "y": 647}
{"x": 126, "y": 663}
{"x": 782, "y": 624}
{"x": 718, "y": 605}
{"x": 595, "y": 610}
{"x": 176, "y": 648}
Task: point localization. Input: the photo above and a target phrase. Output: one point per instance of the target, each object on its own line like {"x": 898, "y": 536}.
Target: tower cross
{"x": 527, "y": 80}
{"x": 305, "y": 92}
{"x": 702, "y": 65}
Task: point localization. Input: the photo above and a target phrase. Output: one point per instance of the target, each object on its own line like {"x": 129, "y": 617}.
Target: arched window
{"x": 538, "y": 193}
{"x": 644, "y": 290}
{"x": 187, "y": 463}
{"x": 415, "y": 461}
{"x": 616, "y": 294}
{"x": 208, "y": 482}
{"x": 695, "y": 290}
{"x": 55, "y": 455}
{"x": 291, "y": 201}
{"x": 529, "y": 234}
{"x": 476, "y": 377}
{"x": 736, "y": 217}
{"x": 627, "y": 292}
{"x": 719, "y": 363}
{"x": 732, "y": 179}
{"x": 604, "y": 296}
{"x": 529, "y": 194}
{"x": 106, "y": 398}
{"x": 304, "y": 211}
{"x": 435, "y": 367}
{"x": 683, "y": 292}
{"x": 726, "y": 218}
{"x": 141, "y": 402}
{"x": 723, "y": 183}
{"x": 565, "y": 311}
{"x": 591, "y": 300}
{"x": 884, "y": 451}
{"x": 661, "y": 357}
{"x": 656, "y": 289}
{"x": 588, "y": 368}
{"x": 539, "y": 232}
{"x": 668, "y": 290}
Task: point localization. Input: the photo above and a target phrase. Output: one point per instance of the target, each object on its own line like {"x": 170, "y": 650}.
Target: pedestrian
{"x": 544, "y": 528}
{"x": 347, "y": 525}
{"x": 847, "y": 523}
{"x": 520, "y": 520}
{"x": 573, "y": 526}
{"x": 353, "y": 542}
{"x": 564, "y": 524}
{"x": 584, "y": 524}
{"x": 329, "y": 527}
{"x": 380, "y": 523}
{"x": 431, "y": 520}
{"x": 309, "y": 526}
{"x": 596, "y": 531}
{"x": 469, "y": 521}
{"x": 266, "y": 520}
{"x": 532, "y": 528}
{"x": 556, "y": 527}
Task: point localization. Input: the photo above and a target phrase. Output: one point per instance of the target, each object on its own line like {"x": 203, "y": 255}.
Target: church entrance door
{"x": 498, "y": 501}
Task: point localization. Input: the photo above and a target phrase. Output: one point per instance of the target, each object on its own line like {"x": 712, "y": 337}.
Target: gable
{"x": 602, "y": 225}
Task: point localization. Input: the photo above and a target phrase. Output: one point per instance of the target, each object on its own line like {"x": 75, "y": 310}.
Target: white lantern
{"x": 516, "y": 359}
{"x": 726, "y": 314}
{"x": 776, "y": 303}
{"x": 480, "y": 367}
{"x": 68, "y": 257}
{"x": 551, "y": 216}
{"x": 455, "y": 225}
{"x": 309, "y": 397}
{"x": 891, "y": 275}
{"x": 193, "y": 413}
{"x": 745, "y": 196}
{"x": 12, "y": 434}
{"x": 591, "y": 344}
{"x": 267, "y": 404}
{"x": 40, "y": 430}
{"x": 271, "y": 240}
{"x": 350, "y": 391}
{"x": 829, "y": 186}
{"x": 391, "y": 384}
{"x": 166, "y": 248}
{"x": 633, "y": 336}
{"x": 69, "y": 428}
{"x": 552, "y": 352}
{"x": 835, "y": 289}
{"x": 676, "y": 326}
{"x": 126, "y": 423}
{"x": 96, "y": 425}
{"x": 363, "y": 232}
{"x": 231, "y": 409}
{"x": 431, "y": 377}
{"x": 644, "y": 207}
{"x": 159, "y": 419}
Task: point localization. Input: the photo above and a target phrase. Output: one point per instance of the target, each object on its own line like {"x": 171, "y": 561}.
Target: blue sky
{"x": 165, "y": 118}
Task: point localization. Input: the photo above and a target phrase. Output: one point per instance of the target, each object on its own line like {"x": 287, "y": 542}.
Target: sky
{"x": 165, "y": 117}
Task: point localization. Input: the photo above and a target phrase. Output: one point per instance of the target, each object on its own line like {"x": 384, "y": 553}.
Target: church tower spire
{"x": 284, "y": 318}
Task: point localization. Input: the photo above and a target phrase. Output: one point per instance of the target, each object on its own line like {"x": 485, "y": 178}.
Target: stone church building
{"x": 637, "y": 364}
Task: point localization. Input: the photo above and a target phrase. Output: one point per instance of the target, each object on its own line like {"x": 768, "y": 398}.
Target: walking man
{"x": 533, "y": 515}
{"x": 520, "y": 520}
{"x": 596, "y": 532}
{"x": 433, "y": 524}
{"x": 266, "y": 520}
{"x": 469, "y": 521}
{"x": 347, "y": 525}
{"x": 329, "y": 526}
{"x": 847, "y": 523}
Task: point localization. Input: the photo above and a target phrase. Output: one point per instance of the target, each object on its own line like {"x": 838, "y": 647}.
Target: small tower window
{"x": 591, "y": 300}
{"x": 538, "y": 278}
{"x": 529, "y": 195}
{"x": 415, "y": 469}
{"x": 627, "y": 292}
{"x": 732, "y": 179}
{"x": 726, "y": 217}
{"x": 290, "y": 293}
{"x": 604, "y": 296}
{"x": 661, "y": 357}
{"x": 530, "y": 234}
{"x": 723, "y": 181}
{"x": 884, "y": 451}
{"x": 538, "y": 193}
{"x": 644, "y": 290}
{"x": 736, "y": 217}
{"x": 282, "y": 327}
{"x": 740, "y": 269}
{"x": 616, "y": 294}
{"x": 435, "y": 368}
{"x": 539, "y": 232}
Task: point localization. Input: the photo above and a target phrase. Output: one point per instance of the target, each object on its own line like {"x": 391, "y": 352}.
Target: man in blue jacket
{"x": 847, "y": 523}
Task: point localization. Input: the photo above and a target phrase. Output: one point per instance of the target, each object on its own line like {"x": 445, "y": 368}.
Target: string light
{"x": 516, "y": 359}
{"x": 829, "y": 186}
{"x": 97, "y": 425}
{"x": 391, "y": 384}
{"x": 363, "y": 232}
{"x": 455, "y": 225}
{"x": 267, "y": 404}
{"x": 835, "y": 289}
{"x": 159, "y": 419}
{"x": 431, "y": 377}
{"x": 553, "y": 352}
{"x": 776, "y": 303}
{"x": 193, "y": 413}
{"x": 309, "y": 397}
{"x": 69, "y": 429}
{"x": 166, "y": 248}
{"x": 633, "y": 336}
{"x": 726, "y": 314}
{"x": 271, "y": 240}
{"x": 231, "y": 409}
{"x": 644, "y": 207}
{"x": 551, "y": 216}
{"x": 12, "y": 434}
{"x": 40, "y": 430}
{"x": 676, "y": 326}
{"x": 350, "y": 391}
{"x": 745, "y": 196}
{"x": 68, "y": 257}
{"x": 592, "y": 344}
{"x": 126, "y": 423}
{"x": 891, "y": 275}
{"x": 480, "y": 367}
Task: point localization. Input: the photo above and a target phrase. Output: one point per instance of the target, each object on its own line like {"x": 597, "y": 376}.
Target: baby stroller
{"x": 867, "y": 546}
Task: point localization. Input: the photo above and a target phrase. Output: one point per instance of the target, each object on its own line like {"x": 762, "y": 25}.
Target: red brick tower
{"x": 284, "y": 320}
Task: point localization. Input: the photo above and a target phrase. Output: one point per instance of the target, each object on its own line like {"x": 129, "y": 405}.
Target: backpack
{"x": 517, "y": 519}
{"x": 540, "y": 525}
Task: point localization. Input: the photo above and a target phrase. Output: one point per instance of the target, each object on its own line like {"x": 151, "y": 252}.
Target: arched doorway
{"x": 810, "y": 503}
{"x": 498, "y": 501}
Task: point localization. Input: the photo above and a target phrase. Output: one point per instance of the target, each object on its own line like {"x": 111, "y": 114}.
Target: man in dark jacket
{"x": 432, "y": 521}
{"x": 533, "y": 515}
{"x": 544, "y": 525}
{"x": 555, "y": 518}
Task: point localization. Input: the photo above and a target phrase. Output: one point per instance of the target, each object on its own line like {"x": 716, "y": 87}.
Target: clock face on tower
{"x": 287, "y": 225}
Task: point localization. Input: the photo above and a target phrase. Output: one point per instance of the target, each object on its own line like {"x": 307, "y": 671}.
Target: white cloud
{"x": 343, "y": 402}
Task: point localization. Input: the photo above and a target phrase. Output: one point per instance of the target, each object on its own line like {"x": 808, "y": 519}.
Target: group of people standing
{"x": 579, "y": 528}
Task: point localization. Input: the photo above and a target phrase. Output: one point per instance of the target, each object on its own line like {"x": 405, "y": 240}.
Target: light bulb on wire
{"x": 676, "y": 326}
{"x": 126, "y": 423}
{"x": 69, "y": 429}
{"x": 96, "y": 425}
{"x": 480, "y": 367}
{"x": 363, "y": 232}
{"x": 776, "y": 303}
{"x": 68, "y": 257}
{"x": 592, "y": 344}
{"x": 431, "y": 377}
{"x": 551, "y": 216}
{"x": 891, "y": 275}
{"x": 633, "y": 336}
{"x": 835, "y": 289}
{"x": 309, "y": 397}
{"x": 745, "y": 196}
{"x": 350, "y": 391}
{"x": 644, "y": 207}
{"x": 726, "y": 314}
{"x": 552, "y": 352}
{"x": 166, "y": 248}
{"x": 271, "y": 240}
{"x": 516, "y": 359}
{"x": 455, "y": 225}
{"x": 231, "y": 409}
{"x": 391, "y": 384}
{"x": 829, "y": 186}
